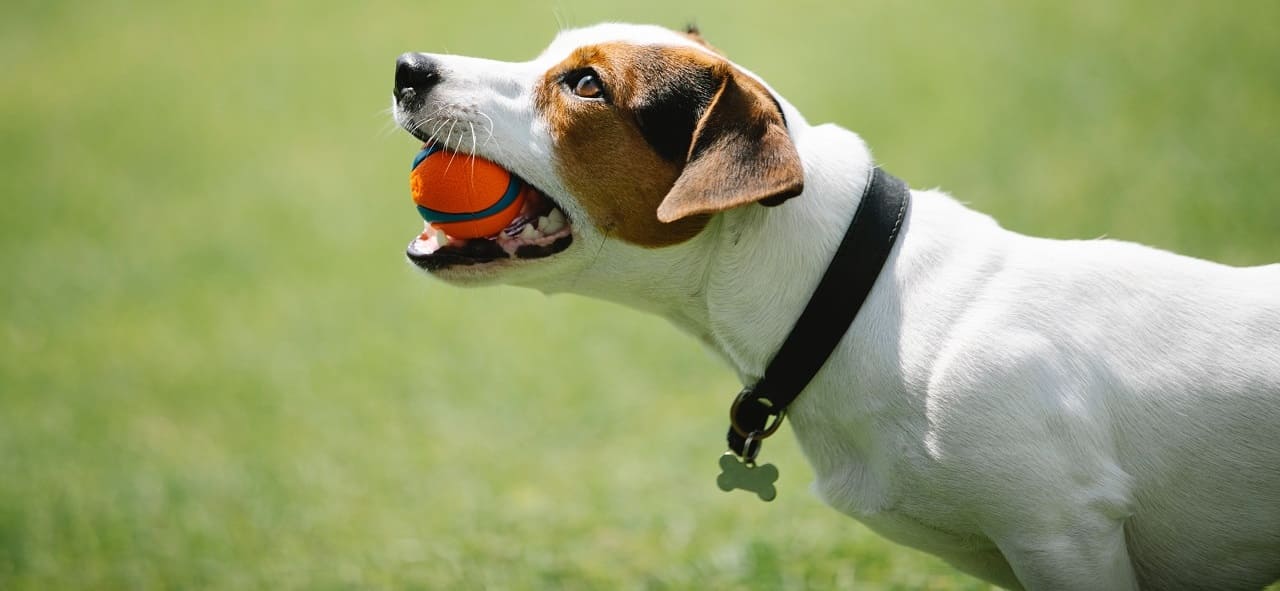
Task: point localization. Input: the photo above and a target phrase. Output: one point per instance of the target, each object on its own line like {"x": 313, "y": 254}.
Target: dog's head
{"x": 635, "y": 136}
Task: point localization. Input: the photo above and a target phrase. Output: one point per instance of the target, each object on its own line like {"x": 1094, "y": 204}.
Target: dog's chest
{"x": 893, "y": 496}
{"x": 871, "y": 462}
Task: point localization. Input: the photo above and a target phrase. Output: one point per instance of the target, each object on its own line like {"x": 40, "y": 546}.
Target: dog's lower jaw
{"x": 540, "y": 274}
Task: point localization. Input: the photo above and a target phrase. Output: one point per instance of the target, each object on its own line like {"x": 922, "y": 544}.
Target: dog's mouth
{"x": 540, "y": 230}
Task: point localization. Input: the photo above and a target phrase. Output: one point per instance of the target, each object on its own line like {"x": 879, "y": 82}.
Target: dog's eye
{"x": 588, "y": 87}
{"x": 586, "y": 84}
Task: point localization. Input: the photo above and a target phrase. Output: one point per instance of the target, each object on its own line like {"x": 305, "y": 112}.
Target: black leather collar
{"x": 760, "y": 408}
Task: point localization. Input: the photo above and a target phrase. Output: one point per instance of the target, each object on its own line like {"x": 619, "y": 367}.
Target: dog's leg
{"x": 1085, "y": 551}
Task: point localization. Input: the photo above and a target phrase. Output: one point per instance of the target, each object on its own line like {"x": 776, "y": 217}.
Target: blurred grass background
{"x": 217, "y": 372}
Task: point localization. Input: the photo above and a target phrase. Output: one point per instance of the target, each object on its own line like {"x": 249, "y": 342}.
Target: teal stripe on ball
{"x": 513, "y": 190}
{"x": 422, "y": 154}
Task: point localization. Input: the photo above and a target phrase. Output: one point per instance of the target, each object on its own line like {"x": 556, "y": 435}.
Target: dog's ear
{"x": 740, "y": 153}
{"x": 691, "y": 31}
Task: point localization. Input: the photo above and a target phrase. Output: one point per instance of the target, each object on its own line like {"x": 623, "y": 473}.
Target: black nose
{"x": 416, "y": 74}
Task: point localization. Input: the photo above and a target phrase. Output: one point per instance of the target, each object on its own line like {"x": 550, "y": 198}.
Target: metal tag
{"x": 736, "y": 474}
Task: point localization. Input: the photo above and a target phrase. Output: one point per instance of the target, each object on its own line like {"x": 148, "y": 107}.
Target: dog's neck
{"x": 740, "y": 285}
{"x": 771, "y": 259}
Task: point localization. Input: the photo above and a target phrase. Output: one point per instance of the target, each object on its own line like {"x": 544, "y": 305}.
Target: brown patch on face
{"x": 678, "y": 135}
{"x": 602, "y": 155}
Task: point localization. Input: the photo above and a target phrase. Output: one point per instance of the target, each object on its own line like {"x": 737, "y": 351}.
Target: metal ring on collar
{"x": 769, "y": 428}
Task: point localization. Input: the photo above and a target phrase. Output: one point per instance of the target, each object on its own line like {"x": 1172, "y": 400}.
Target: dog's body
{"x": 1043, "y": 414}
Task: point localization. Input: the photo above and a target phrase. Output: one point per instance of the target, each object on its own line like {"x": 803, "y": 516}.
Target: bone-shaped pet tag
{"x": 747, "y": 476}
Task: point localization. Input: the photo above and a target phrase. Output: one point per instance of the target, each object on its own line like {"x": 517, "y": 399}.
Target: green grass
{"x": 217, "y": 372}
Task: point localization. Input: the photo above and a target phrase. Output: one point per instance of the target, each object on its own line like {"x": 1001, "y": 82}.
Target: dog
{"x": 1042, "y": 414}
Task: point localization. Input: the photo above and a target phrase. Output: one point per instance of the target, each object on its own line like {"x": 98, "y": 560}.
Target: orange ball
{"x": 464, "y": 195}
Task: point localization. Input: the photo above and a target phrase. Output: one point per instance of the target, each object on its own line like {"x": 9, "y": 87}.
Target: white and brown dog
{"x": 1043, "y": 414}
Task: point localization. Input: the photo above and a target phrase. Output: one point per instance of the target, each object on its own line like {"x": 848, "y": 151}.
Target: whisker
{"x": 423, "y": 122}
{"x": 435, "y": 133}
{"x": 446, "y": 142}
{"x": 389, "y": 123}
{"x": 473, "y": 151}
{"x": 419, "y": 125}
{"x": 388, "y": 128}
{"x": 562, "y": 19}
{"x": 487, "y": 118}
{"x": 437, "y": 111}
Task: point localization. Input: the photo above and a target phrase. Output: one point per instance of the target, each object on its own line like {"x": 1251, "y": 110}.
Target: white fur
{"x": 1043, "y": 414}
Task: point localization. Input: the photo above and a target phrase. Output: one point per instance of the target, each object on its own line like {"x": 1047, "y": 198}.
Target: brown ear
{"x": 740, "y": 154}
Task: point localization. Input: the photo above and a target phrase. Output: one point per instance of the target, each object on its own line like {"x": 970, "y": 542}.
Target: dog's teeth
{"x": 555, "y": 221}
{"x": 513, "y": 229}
{"x": 528, "y": 232}
{"x": 441, "y": 238}
{"x": 542, "y": 223}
